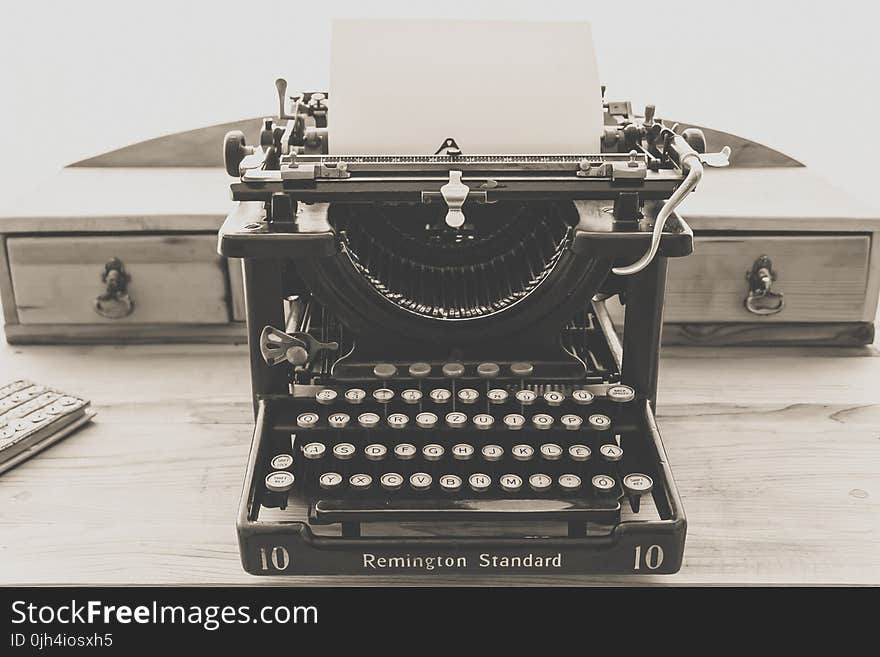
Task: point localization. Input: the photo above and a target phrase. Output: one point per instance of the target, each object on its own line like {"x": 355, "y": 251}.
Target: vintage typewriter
{"x": 436, "y": 383}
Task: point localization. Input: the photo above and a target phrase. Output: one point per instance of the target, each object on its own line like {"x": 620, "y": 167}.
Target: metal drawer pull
{"x": 762, "y": 300}
{"x": 115, "y": 302}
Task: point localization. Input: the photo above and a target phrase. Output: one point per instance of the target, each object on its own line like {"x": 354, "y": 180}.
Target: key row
{"x": 609, "y": 452}
{"x": 453, "y": 370}
{"x": 618, "y": 393}
{"x": 455, "y": 420}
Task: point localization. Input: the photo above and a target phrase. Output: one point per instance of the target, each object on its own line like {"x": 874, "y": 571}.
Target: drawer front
{"x": 822, "y": 278}
{"x": 171, "y": 279}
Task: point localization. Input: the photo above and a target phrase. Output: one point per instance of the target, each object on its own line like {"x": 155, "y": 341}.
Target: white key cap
{"x": 420, "y": 481}
{"x": 540, "y": 483}
{"x": 330, "y": 480}
{"x": 462, "y": 452}
{"x": 510, "y": 483}
{"x": 343, "y": 451}
{"x": 599, "y": 422}
{"x": 307, "y": 420}
{"x": 580, "y": 453}
{"x": 456, "y": 420}
{"x": 411, "y": 396}
{"x": 360, "y": 481}
{"x": 383, "y": 395}
{"x": 440, "y": 395}
{"x": 405, "y": 451}
{"x": 368, "y": 420}
{"x": 314, "y": 451}
{"x": 426, "y": 420}
{"x": 375, "y": 452}
{"x": 603, "y": 483}
{"x": 398, "y": 421}
{"x": 483, "y": 421}
{"x": 523, "y": 452}
{"x": 569, "y": 482}
{"x": 554, "y": 397}
{"x": 571, "y": 422}
{"x": 551, "y": 451}
{"x": 514, "y": 421}
{"x": 542, "y": 421}
{"x": 450, "y": 483}
{"x": 339, "y": 420}
{"x": 479, "y": 482}
{"x": 279, "y": 482}
{"x": 526, "y": 396}
{"x": 391, "y": 481}
{"x": 355, "y": 396}
{"x": 621, "y": 393}
{"x": 497, "y": 396}
{"x": 433, "y": 452}
{"x": 325, "y": 396}
{"x": 468, "y": 395}
{"x": 582, "y": 397}
{"x": 637, "y": 483}
{"x": 611, "y": 452}
{"x": 281, "y": 462}
{"x": 492, "y": 452}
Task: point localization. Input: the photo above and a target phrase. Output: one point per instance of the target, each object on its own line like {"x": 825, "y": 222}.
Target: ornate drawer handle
{"x": 761, "y": 299}
{"x": 115, "y": 302}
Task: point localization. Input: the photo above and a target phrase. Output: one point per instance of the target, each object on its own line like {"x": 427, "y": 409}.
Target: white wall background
{"x": 80, "y": 78}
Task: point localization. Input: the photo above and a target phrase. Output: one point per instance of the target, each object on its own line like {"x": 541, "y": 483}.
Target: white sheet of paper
{"x": 404, "y": 86}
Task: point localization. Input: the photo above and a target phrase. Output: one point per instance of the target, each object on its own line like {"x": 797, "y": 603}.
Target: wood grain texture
{"x": 174, "y": 278}
{"x": 840, "y": 334}
{"x": 823, "y": 278}
{"x": 776, "y": 453}
{"x": 7, "y": 297}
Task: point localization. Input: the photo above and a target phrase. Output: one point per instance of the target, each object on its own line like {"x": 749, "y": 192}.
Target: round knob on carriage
{"x": 453, "y": 370}
{"x": 235, "y": 149}
{"x": 695, "y": 139}
{"x": 488, "y": 370}
{"x": 384, "y": 371}
{"x": 420, "y": 370}
{"x": 521, "y": 370}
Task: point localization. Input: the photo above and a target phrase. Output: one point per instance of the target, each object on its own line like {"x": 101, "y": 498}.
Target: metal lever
{"x": 454, "y": 193}
{"x": 761, "y": 299}
{"x": 297, "y": 348}
{"x": 719, "y": 159}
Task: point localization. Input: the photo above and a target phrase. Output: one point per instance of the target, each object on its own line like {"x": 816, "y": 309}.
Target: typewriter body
{"x": 436, "y": 383}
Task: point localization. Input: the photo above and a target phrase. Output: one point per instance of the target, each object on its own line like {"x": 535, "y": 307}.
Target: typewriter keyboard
{"x": 422, "y": 442}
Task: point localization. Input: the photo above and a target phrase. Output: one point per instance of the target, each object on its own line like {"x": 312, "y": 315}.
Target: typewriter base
{"x": 293, "y": 546}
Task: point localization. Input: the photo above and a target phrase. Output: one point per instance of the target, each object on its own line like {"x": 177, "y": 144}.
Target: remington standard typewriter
{"x": 436, "y": 383}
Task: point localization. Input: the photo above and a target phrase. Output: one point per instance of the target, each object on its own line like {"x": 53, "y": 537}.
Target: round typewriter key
{"x": 375, "y": 452}
{"x": 339, "y": 420}
{"x": 391, "y": 481}
{"x": 398, "y": 420}
{"x": 479, "y": 482}
{"x": 330, "y": 480}
{"x": 450, "y": 483}
{"x": 68, "y": 401}
{"x": 551, "y": 451}
{"x": 621, "y": 393}
{"x": 419, "y": 370}
{"x": 521, "y": 370}
{"x": 433, "y": 452}
{"x": 611, "y": 453}
{"x": 38, "y": 417}
{"x": 637, "y": 483}
{"x": 510, "y": 483}
{"x": 488, "y": 370}
{"x": 325, "y": 396}
{"x": 492, "y": 452}
{"x": 542, "y": 421}
{"x": 6, "y": 432}
{"x": 540, "y": 483}
{"x": 580, "y": 453}
{"x": 383, "y": 395}
{"x": 526, "y": 396}
{"x": 360, "y": 481}
{"x": 497, "y": 396}
{"x": 355, "y": 396}
{"x": 314, "y": 450}
{"x": 569, "y": 482}
{"x": 462, "y": 452}
{"x": 384, "y": 370}
{"x": 420, "y": 481}
{"x": 279, "y": 482}
{"x": 368, "y": 420}
{"x": 456, "y": 420}
{"x": 404, "y": 451}
{"x": 514, "y": 421}
{"x": 307, "y": 420}
{"x": 440, "y": 395}
{"x": 554, "y": 397}
{"x": 55, "y": 409}
{"x": 411, "y": 396}
{"x": 523, "y": 452}
{"x": 582, "y": 397}
{"x": 281, "y": 462}
{"x": 571, "y": 422}
{"x": 468, "y": 395}
{"x": 426, "y": 420}
{"x": 483, "y": 421}
{"x": 343, "y": 451}
{"x": 453, "y": 370}
{"x": 603, "y": 483}
{"x": 599, "y": 422}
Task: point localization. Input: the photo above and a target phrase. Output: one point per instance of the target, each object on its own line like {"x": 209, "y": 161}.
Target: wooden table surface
{"x": 776, "y": 453}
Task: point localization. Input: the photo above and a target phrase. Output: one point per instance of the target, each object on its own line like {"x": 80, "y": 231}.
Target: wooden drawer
{"x": 823, "y": 278}
{"x": 175, "y": 279}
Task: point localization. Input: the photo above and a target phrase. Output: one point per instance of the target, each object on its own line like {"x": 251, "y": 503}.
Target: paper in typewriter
{"x": 404, "y": 86}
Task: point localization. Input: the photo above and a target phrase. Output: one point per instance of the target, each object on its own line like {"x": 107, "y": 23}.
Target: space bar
{"x": 349, "y": 510}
